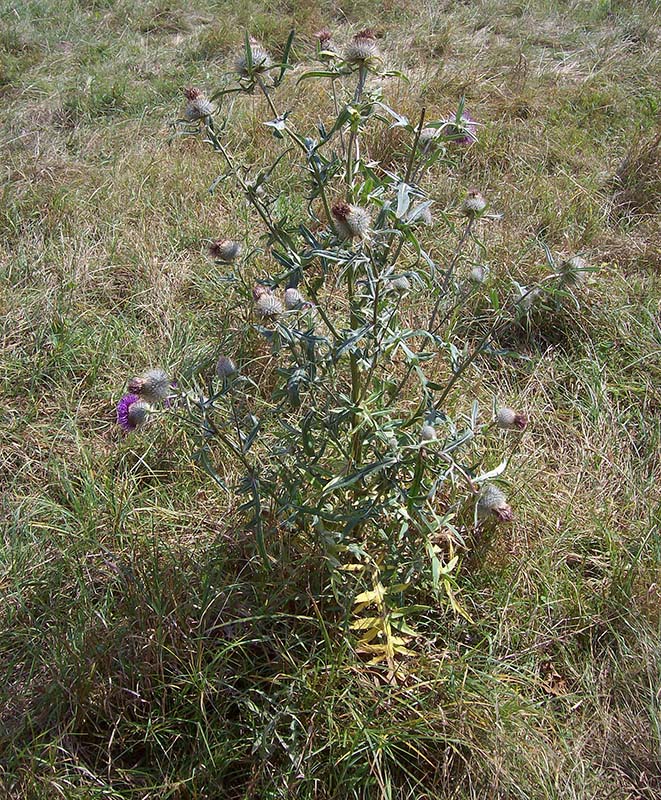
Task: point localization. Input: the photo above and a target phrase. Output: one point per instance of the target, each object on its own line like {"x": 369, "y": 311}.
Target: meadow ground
{"x": 145, "y": 652}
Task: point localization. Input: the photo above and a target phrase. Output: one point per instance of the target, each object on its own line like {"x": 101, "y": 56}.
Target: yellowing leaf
{"x": 376, "y": 595}
{"x": 365, "y": 623}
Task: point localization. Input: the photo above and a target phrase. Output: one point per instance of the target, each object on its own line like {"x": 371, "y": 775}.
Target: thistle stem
{"x": 353, "y": 136}
{"x": 356, "y": 446}
{"x": 262, "y": 86}
{"x": 450, "y": 271}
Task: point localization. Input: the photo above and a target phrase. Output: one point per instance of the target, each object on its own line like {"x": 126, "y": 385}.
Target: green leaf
{"x": 343, "y": 482}
{"x": 319, "y": 73}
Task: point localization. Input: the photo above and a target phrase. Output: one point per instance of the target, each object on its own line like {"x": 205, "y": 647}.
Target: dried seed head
{"x": 510, "y": 420}
{"x": 428, "y": 433}
{"x": 261, "y": 60}
{"x": 268, "y": 306}
{"x": 132, "y": 412}
{"x": 153, "y": 385}
{"x": 225, "y": 250}
{"x": 225, "y": 367}
{"x": 474, "y": 204}
{"x": 351, "y": 221}
{"x": 492, "y": 504}
{"x": 479, "y": 273}
{"x": 198, "y": 106}
{"x": 572, "y": 270}
{"x": 293, "y": 299}
{"x": 362, "y": 48}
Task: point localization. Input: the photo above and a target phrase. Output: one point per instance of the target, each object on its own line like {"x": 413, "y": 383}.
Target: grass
{"x": 146, "y": 652}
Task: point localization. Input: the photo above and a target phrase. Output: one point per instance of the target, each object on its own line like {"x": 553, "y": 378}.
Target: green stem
{"x": 353, "y": 136}
{"x": 356, "y": 392}
{"x": 417, "y": 481}
{"x": 450, "y": 271}
{"x": 261, "y": 85}
{"x": 409, "y": 167}
{"x": 337, "y": 112}
{"x": 218, "y": 146}
{"x": 322, "y": 192}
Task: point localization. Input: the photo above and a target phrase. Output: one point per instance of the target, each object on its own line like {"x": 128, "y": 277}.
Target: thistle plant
{"x": 357, "y": 446}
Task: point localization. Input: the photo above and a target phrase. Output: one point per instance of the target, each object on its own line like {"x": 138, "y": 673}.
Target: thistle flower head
{"x": 510, "y": 420}
{"x": 293, "y": 299}
{"x": 474, "y": 204}
{"x": 225, "y": 367}
{"x": 268, "y": 306}
{"x": 391, "y": 441}
{"x": 258, "y": 290}
{"x": 362, "y": 48}
{"x": 400, "y": 284}
{"x": 152, "y": 386}
{"x": 260, "y": 58}
{"x": 224, "y": 250}
{"x": 132, "y": 412}
{"x": 572, "y": 270}
{"x": 463, "y": 131}
{"x": 425, "y": 217}
{"x": 492, "y": 504}
{"x": 428, "y": 139}
{"x": 427, "y": 433}
{"x": 323, "y": 37}
{"x": 198, "y": 106}
{"x": 350, "y": 221}
{"x": 525, "y": 297}
{"x": 479, "y": 273}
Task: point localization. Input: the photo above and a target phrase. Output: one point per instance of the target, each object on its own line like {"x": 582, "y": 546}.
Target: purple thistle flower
{"x": 124, "y": 418}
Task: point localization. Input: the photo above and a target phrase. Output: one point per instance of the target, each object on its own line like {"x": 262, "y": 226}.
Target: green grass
{"x": 146, "y": 652}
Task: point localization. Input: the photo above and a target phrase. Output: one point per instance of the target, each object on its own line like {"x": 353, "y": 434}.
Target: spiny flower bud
{"x": 474, "y": 204}
{"x": 225, "y": 367}
{"x": 259, "y": 290}
{"x": 510, "y": 420}
{"x": 363, "y": 47}
{"x": 573, "y": 270}
{"x": 400, "y": 284}
{"x": 132, "y": 412}
{"x": 225, "y": 250}
{"x": 391, "y": 441}
{"x": 350, "y": 221}
{"x": 293, "y": 299}
{"x": 323, "y": 37}
{"x": 479, "y": 274}
{"x": 428, "y": 433}
{"x": 428, "y": 139}
{"x": 525, "y": 297}
{"x": 492, "y": 503}
{"x": 267, "y": 304}
{"x": 261, "y": 60}
{"x": 153, "y": 385}
{"x": 198, "y": 106}
{"x": 463, "y": 132}
{"x": 425, "y": 216}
